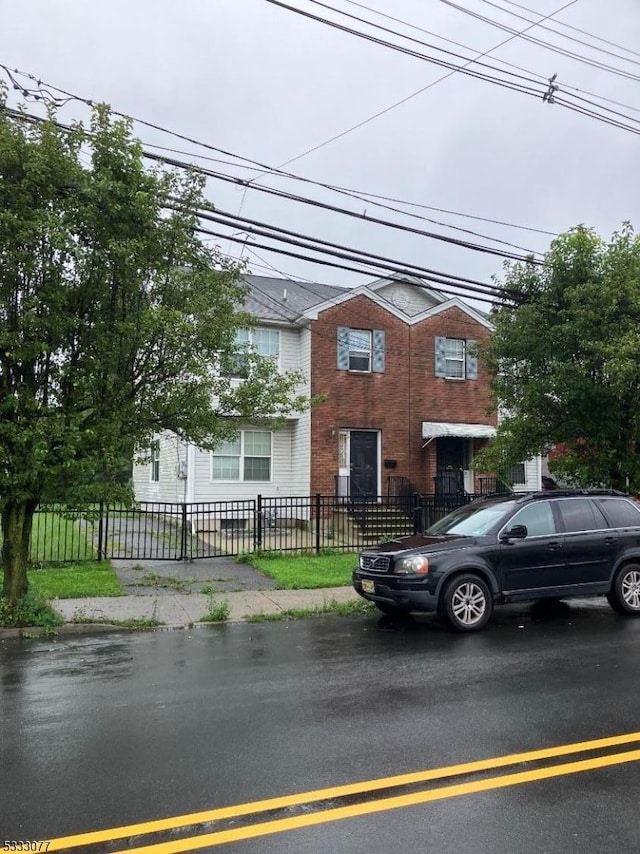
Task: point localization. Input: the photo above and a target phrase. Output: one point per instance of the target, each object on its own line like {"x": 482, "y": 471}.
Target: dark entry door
{"x": 364, "y": 463}
{"x": 450, "y": 463}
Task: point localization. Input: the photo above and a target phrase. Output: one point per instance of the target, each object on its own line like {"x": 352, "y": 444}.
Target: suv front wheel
{"x": 624, "y": 596}
{"x": 466, "y": 603}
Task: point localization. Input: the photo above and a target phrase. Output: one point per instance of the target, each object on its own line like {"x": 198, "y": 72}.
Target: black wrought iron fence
{"x": 188, "y": 531}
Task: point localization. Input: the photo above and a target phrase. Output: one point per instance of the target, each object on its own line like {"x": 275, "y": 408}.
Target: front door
{"x": 450, "y": 465}
{"x": 363, "y": 458}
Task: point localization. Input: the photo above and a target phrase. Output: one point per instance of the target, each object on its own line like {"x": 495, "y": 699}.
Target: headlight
{"x": 414, "y": 565}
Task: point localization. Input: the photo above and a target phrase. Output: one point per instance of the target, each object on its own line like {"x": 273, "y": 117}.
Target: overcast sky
{"x": 263, "y": 82}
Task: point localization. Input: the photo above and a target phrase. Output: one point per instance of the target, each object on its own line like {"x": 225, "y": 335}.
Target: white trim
{"x": 242, "y": 456}
{"x": 365, "y": 291}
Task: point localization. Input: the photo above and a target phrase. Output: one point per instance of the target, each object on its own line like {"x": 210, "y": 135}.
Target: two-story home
{"x": 404, "y": 397}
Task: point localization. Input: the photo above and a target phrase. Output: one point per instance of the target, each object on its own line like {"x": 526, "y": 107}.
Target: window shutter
{"x": 472, "y": 360}
{"x": 377, "y": 362}
{"x": 441, "y": 357}
{"x": 343, "y": 348}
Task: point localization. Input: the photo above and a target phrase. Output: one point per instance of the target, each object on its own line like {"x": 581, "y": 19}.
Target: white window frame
{"x": 460, "y": 359}
{"x": 154, "y": 463}
{"x": 357, "y": 352}
{"x": 242, "y": 456}
{"x": 248, "y": 336}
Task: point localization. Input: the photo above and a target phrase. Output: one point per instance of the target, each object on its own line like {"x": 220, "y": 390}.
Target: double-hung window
{"x": 245, "y": 458}
{"x": 263, "y": 342}
{"x": 154, "y": 464}
{"x": 456, "y": 358}
{"x": 361, "y": 350}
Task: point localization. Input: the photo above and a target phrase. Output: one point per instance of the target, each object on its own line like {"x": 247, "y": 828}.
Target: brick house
{"x": 405, "y": 399}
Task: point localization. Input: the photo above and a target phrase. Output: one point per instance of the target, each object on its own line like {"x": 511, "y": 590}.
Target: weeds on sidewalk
{"x": 31, "y": 610}
{"x": 152, "y": 622}
{"x": 217, "y": 612}
{"x": 341, "y": 609}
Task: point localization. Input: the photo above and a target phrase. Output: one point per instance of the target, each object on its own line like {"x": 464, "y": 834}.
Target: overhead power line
{"x": 358, "y": 261}
{"x": 170, "y": 161}
{"x": 464, "y": 69}
{"x": 372, "y": 199}
{"x": 594, "y": 63}
{"x": 527, "y": 71}
{"x": 549, "y": 29}
{"x": 575, "y": 29}
{"x": 296, "y": 238}
{"x": 368, "y": 268}
{"x": 527, "y": 88}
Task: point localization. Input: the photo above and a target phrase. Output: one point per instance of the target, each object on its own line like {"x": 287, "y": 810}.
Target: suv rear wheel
{"x": 624, "y": 596}
{"x": 466, "y": 603}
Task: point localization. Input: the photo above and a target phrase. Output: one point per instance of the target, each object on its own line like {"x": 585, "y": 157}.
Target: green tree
{"x": 114, "y": 317}
{"x": 566, "y": 361}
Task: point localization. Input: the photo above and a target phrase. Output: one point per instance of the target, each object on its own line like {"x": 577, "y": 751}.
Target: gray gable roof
{"x": 283, "y": 299}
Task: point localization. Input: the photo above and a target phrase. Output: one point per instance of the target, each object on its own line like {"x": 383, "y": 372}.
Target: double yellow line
{"x": 250, "y": 831}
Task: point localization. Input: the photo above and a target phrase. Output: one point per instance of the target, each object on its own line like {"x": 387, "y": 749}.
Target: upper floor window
{"x": 361, "y": 350}
{"x": 263, "y": 342}
{"x": 456, "y": 358}
{"x": 154, "y": 463}
{"x": 245, "y": 458}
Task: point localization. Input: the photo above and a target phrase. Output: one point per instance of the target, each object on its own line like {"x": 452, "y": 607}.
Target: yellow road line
{"x": 251, "y": 808}
{"x": 265, "y": 828}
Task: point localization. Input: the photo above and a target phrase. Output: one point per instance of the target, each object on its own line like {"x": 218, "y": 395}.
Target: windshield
{"x": 472, "y": 521}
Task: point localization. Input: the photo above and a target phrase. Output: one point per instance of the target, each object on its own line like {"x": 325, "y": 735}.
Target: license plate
{"x": 368, "y": 586}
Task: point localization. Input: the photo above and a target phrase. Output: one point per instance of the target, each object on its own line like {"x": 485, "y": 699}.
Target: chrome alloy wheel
{"x": 469, "y": 603}
{"x": 630, "y": 589}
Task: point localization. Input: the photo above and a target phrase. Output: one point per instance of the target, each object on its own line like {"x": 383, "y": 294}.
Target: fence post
{"x": 257, "y": 528}
{"x": 183, "y": 533}
{"x": 317, "y": 523}
{"x": 105, "y": 544}
{"x": 100, "y": 530}
{"x": 416, "y": 513}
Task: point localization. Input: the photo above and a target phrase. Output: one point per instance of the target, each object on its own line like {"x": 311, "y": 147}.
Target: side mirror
{"x": 518, "y": 532}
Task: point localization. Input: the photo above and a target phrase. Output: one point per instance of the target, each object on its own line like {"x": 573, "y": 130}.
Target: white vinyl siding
{"x": 169, "y": 487}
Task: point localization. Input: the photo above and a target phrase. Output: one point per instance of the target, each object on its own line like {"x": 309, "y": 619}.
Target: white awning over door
{"x": 435, "y": 429}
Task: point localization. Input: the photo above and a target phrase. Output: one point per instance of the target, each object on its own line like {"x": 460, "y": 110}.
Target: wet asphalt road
{"x": 103, "y": 731}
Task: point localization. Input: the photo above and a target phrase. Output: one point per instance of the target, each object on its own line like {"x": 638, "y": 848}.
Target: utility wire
{"x": 369, "y": 200}
{"x": 170, "y": 161}
{"x": 526, "y": 71}
{"x": 575, "y": 29}
{"x": 562, "y": 35}
{"x": 594, "y": 63}
{"x": 463, "y": 69}
{"x": 257, "y": 227}
{"x": 445, "y": 286}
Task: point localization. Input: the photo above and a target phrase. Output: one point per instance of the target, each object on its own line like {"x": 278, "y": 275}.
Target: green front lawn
{"x": 56, "y": 537}
{"x": 304, "y": 571}
{"x": 74, "y": 581}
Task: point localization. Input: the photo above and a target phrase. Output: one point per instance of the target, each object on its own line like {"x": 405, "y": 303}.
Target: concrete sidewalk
{"x": 181, "y": 610}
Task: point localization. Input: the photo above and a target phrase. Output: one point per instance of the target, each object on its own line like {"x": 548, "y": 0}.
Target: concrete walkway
{"x": 182, "y": 593}
{"x": 186, "y": 609}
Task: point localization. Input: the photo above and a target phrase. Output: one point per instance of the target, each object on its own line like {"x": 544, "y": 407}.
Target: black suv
{"x": 510, "y": 548}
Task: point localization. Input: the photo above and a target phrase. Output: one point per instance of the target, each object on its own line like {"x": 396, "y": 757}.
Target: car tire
{"x": 391, "y": 610}
{"x": 466, "y": 603}
{"x": 624, "y": 596}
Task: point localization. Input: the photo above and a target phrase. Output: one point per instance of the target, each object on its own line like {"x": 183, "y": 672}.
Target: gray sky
{"x": 260, "y": 81}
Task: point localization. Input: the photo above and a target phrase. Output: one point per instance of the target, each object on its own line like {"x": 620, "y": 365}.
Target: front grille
{"x": 375, "y": 563}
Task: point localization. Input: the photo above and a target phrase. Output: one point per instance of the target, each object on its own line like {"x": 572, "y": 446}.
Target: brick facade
{"x": 394, "y": 402}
